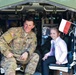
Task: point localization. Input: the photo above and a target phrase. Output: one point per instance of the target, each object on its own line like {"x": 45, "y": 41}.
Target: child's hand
{"x": 45, "y": 57}
{"x": 58, "y": 62}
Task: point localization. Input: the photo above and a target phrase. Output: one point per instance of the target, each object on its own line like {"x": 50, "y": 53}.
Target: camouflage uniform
{"x": 17, "y": 41}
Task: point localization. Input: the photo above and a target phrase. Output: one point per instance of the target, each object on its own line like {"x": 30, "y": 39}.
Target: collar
{"x": 55, "y": 40}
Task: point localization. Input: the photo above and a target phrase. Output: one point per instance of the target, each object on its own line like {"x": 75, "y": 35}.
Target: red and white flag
{"x": 64, "y": 26}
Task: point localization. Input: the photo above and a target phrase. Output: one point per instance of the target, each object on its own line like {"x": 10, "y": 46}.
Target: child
{"x": 58, "y": 52}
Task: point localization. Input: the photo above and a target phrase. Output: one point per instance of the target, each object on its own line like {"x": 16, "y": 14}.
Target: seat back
{"x": 70, "y": 57}
{"x": 68, "y": 40}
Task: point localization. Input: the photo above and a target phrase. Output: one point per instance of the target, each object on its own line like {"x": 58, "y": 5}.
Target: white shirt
{"x": 60, "y": 50}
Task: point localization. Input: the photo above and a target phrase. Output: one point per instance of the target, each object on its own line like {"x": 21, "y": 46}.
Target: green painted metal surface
{"x": 5, "y": 3}
{"x": 67, "y": 3}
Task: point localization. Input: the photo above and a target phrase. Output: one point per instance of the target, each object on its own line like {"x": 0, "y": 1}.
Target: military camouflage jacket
{"x": 17, "y": 41}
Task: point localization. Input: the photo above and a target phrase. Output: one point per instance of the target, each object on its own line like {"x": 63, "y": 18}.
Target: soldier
{"x": 18, "y": 45}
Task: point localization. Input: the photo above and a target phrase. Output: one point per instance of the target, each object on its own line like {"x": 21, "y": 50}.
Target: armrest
{"x": 56, "y": 65}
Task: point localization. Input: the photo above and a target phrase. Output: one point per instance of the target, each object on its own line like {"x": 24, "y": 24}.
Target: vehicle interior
{"x": 46, "y": 15}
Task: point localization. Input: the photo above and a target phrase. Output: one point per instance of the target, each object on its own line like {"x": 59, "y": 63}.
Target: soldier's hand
{"x": 24, "y": 56}
{"x": 9, "y": 55}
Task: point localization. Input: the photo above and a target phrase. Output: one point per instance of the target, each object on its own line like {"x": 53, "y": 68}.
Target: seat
{"x": 19, "y": 68}
{"x": 64, "y": 68}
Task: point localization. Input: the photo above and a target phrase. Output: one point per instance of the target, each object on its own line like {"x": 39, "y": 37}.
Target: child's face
{"x": 54, "y": 34}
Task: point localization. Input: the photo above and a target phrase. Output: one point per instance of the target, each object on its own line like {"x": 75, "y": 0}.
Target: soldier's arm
{"x": 5, "y": 39}
{"x": 32, "y": 46}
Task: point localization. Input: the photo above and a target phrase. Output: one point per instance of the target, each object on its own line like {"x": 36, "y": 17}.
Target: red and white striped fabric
{"x": 64, "y": 26}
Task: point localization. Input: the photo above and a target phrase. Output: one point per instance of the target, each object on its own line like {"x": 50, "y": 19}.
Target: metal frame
{"x": 39, "y": 1}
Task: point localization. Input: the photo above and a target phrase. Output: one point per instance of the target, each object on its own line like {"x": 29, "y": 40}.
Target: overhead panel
{"x": 67, "y": 4}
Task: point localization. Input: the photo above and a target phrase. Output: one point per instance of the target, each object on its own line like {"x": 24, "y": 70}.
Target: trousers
{"x": 10, "y": 65}
{"x": 45, "y": 64}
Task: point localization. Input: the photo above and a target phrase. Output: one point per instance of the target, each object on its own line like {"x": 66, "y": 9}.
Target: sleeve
{"x": 5, "y": 39}
{"x": 64, "y": 50}
{"x": 32, "y": 46}
{"x": 50, "y": 52}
